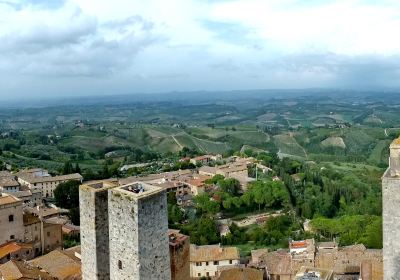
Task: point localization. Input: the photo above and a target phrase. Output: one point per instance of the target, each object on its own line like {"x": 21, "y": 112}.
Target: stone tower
{"x": 391, "y": 214}
{"x": 93, "y": 203}
{"x": 138, "y": 222}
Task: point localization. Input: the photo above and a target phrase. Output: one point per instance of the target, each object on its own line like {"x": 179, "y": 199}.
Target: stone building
{"x": 179, "y": 252}
{"x": 206, "y": 261}
{"x": 40, "y": 179}
{"x": 124, "y": 231}
{"x": 93, "y": 202}
{"x": 11, "y": 218}
{"x": 391, "y": 214}
{"x": 138, "y": 226}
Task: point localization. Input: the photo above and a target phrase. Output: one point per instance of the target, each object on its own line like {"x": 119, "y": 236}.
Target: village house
{"x": 8, "y": 182}
{"x": 15, "y": 251}
{"x": 20, "y": 270}
{"x": 40, "y": 179}
{"x": 240, "y": 273}
{"x": 60, "y": 264}
{"x": 205, "y": 261}
{"x": 205, "y": 159}
{"x": 11, "y": 225}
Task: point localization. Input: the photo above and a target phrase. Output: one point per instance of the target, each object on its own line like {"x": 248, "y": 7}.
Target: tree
{"x": 67, "y": 194}
{"x": 77, "y": 168}
{"x": 67, "y": 169}
{"x": 205, "y": 205}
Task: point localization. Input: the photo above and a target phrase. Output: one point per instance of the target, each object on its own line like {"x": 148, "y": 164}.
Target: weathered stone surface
{"x": 391, "y": 215}
{"x": 139, "y": 247}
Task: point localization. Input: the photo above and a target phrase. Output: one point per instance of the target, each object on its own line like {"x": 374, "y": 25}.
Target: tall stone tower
{"x": 138, "y": 226}
{"x": 391, "y": 214}
{"x": 93, "y": 203}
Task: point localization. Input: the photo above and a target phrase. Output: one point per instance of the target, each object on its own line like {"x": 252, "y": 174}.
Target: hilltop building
{"x": 391, "y": 214}
{"x": 40, "y": 179}
{"x": 118, "y": 222}
{"x": 205, "y": 261}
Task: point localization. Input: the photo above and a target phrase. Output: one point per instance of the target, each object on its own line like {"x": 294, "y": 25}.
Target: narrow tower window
{"x": 119, "y": 264}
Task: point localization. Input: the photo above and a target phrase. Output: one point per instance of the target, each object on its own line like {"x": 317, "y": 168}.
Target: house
{"x": 205, "y": 261}
{"x": 59, "y": 264}
{"x": 240, "y": 274}
{"x": 8, "y": 182}
{"x": 258, "y": 258}
{"x": 40, "y": 179}
{"x": 15, "y": 251}
{"x": 70, "y": 229}
{"x": 20, "y": 270}
{"x": 278, "y": 265}
{"x": 205, "y": 159}
{"x": 11, "y": 225}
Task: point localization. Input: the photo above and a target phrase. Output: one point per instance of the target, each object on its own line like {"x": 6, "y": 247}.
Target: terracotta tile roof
{"x": 8, "y": 182}
{"x": 278, "y": 263}
{"x": 58, "y": 264}
{"x": 241, "y": 274}
{"x": 15, "y": 270}
{"x": 9, "y": 271}
{"x": 30, "y": 219}
{"x": 8, "y": 199}
{"x": 298, "y": 244}
{"x": 32, "y": 179}
{"x": 12, "y": 247}
{"x": 213, "y": 253}
{"x": 195, "y": 182}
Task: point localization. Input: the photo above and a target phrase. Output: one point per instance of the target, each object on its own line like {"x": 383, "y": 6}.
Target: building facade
{"x": 391, "y": 214}
{"x": 11, "y": 219}
{"x": 205, "y": 261}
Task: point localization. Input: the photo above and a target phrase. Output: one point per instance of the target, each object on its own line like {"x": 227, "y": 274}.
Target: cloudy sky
{"x": 86, "y": 47}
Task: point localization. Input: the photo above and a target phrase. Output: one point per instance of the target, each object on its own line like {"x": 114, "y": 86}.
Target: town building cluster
{"x": 124, "y": 232}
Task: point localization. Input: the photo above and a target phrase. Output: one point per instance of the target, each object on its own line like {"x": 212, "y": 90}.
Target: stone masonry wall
{"x": 94, "y": 234}
{"x": 138, "y": 226}
{"x": 391, "y": 227}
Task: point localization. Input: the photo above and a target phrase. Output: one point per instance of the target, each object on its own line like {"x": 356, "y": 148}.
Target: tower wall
{"x": 139, "y": 247}
{"x": 93, "y": 203}
{"x": 391, "y": 214}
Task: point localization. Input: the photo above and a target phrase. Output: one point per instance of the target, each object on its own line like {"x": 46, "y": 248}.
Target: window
{"x": 208, "y": 274}
{"x": 198, "y": 264}
{"x": 12, "y": 237}
{"x": 11, "y": 218}
{"x": 199, "y": 274}
{"x": 207, "y": 263}
{"x": 48, "y": 234}
{"x": 119, "y": 264}
{"x": 216, "y": 263}
{"x": 230, "y": 261}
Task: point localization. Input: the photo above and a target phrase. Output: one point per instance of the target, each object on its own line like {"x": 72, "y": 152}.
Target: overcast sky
{"x": 85, "y": 47}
